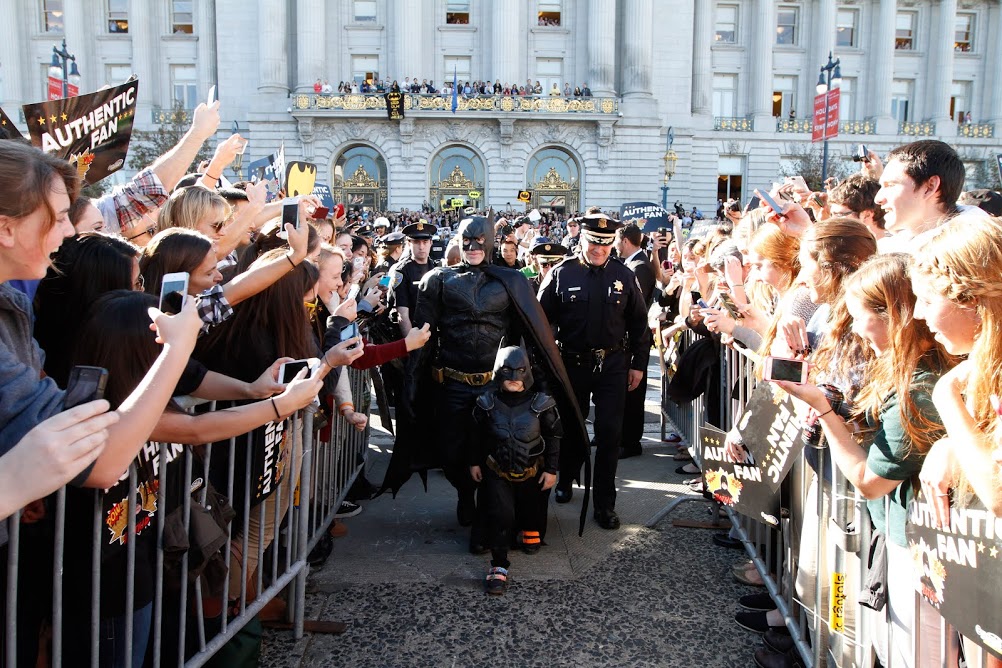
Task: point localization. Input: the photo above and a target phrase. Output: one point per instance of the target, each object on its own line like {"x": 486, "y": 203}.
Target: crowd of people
{"x": 468, "y": 89}
{"x": 493, "y": 334}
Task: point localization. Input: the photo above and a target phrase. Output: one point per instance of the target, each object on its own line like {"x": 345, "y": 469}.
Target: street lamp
{"x": 830, "y": 76}
{"x": 670, "y": 159}
{"x": 58, "y": 68}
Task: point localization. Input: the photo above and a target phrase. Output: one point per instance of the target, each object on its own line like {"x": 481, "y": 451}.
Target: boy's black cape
{"x": 539, "y": 339}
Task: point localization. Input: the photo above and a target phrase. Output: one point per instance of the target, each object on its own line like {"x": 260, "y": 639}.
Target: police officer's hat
{"x": 599, "y": 228}
{"x": 364, "y": 231}
{"x": 391, "y": 239}
{"x": 420, "y": 230}
{"x": 544, "y": 249}
{"x": 382, "y": 221}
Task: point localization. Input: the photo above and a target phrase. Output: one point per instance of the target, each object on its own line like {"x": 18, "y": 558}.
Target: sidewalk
{"x": 413, "y": 596}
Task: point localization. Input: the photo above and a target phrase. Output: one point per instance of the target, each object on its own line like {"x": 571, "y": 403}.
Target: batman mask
{"x": 477, "y": 234}
{"x": 512, "y": 363}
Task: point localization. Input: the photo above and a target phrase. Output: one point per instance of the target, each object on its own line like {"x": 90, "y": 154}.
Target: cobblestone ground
{"x": 413, "y": 596}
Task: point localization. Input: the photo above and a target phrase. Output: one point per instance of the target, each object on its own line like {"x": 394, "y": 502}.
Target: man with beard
{"x": 472, "y": 309}
{"x": 599, "y": 319}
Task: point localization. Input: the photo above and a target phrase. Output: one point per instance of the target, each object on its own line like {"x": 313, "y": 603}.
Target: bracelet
{"x": 821, "y": 415}
{"x": 289, "y": 258}
{"x": 275, "y": 406}
{"x": 340, "y": 407}
{"x": 214, "y": 178}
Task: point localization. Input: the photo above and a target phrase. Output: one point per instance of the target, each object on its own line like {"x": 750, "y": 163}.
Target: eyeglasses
{"x": 140, "y": 284}
{"x": 151, "y": 230}
{"x": 218, "y": 226}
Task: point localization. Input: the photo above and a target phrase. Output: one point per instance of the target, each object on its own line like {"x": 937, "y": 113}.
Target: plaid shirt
{"x": 124, "y": 207}
{"x": 213, "y": 308}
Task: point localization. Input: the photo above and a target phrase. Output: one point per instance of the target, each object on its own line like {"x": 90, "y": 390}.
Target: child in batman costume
{"x": 515, "y": 463}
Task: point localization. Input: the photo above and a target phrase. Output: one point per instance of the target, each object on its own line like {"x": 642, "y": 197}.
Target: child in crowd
{"x": 516, "y": 463}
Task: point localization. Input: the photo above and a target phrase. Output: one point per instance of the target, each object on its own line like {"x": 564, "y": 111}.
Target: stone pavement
{"x": 412, "y": 595}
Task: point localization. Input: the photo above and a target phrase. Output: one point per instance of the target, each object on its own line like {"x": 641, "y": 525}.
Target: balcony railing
{"x": 917, "y": 128}
{"x": 443, "y": 103}
{"x": 739, "y": 124}
{"x": 977, "y": 130}
{"x": 802, "y": 125}
{"x": 161, "y": 116}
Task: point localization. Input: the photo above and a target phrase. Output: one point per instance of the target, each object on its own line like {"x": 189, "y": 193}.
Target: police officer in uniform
{"x": 410, "y": 269}
{"x": 546, "y": 254}
{"x": 599, "y": 319}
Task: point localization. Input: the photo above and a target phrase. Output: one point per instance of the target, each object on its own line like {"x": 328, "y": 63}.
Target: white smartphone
{"x": 173, "y": 292}
{"x": 290, "y": 213}
{"x": 352, "y": 292}
{"x": 212, "y": 96}
{"x": 289, "y": 370}
{"x": 798, "y": 183}
{"x": 780, "y": 368}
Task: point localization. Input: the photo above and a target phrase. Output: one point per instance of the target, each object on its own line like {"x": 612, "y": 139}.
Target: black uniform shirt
{"x": 596, "y": 307}
{"x": 405, "y": 294}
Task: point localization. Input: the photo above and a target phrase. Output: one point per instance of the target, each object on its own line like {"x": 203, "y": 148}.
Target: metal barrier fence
{"x": 821, "y": 543}
{"x": 194, "y": 568}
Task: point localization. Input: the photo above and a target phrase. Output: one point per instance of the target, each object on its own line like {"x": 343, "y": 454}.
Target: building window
{"x": 904, "y": 31}
{"x": 118, "y": 16}
{"x": 364, "y": 69}
{"x": 846, "y": 100}
{"x": 963, "y": 37}
{"x": 726, "y": 30}
{"x": 52, "y": 11}
{"x": 784, "y": 96}
{"x": 181, "y": 17}
{"x": 725, "y": 98}
{"x": 457, "y": 13}
{"x": 365, "y": 11}
{"x": 117, "y": 74}
{"x": 786, "y": 25}
{"x": 901, "y": 98}
{"x": 458, "y": 67}
{"x": 960, "y": 101}
{"x": 183, "y": 85}
{"x": 846, "y": 28}
{"x": 549, "y": 13}
{"x": 730, "y": 169}
{"x": 549, "y": 72}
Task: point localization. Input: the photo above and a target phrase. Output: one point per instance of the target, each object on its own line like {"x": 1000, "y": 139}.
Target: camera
{"x": 861, "y": 154}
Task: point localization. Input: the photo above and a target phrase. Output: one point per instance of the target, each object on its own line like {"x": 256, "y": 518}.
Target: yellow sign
{"x": 524, "y": 196}
{"x": 458, "y": 201}
{"x": 474, "y": 194}
{"x": 836, "y": 618}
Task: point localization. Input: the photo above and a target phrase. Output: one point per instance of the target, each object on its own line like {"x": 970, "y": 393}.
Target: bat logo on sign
{"x": 300, "y": 178}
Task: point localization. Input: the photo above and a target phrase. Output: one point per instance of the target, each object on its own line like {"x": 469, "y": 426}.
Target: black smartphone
{"x": 290, "y": 214}
{"x": 771, "y": 202}
{"x": 289, "y": 370}
{"x": 86, "y": 383}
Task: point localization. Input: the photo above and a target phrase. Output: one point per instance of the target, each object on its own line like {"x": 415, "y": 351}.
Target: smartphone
{"x": 729, "y": 305}
{"x": 798, "y": 183}
{"x": 770, "y": 201}
{"x": 212, "y": 96}
{"x": 243, "y": 146}
{"x": 290, "y": 213}
{"x": 320, "y": 212}
{"x": 385, "y": 281}
{"x": 173, "y": 292}
{"x": 86, "y": 383}
{"x": 289, "y": 370}
{"x": 779, "y": 368}
{"x": 352, "y": 292}
{"x": 350, "y": 331}
{"x": 358, "y": 263}
{"x": 702, "y": 303}
{"x": 861, "y": 155}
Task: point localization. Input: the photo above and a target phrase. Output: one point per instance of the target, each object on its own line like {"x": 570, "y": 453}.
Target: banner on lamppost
{"x": 91, "y": 131}
{"x": 826, "y": 116}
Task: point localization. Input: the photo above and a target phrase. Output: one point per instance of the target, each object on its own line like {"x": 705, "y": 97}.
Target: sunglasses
{"x": 140, "y": 284}
{"x": 218, "y": 226}
{"x": 151, "y": 230}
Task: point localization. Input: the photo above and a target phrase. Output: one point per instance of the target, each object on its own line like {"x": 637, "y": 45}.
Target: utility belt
{"x": 439, "y": 374}
{"x": 527, "y": 474}
{"x": 594, "y": 357}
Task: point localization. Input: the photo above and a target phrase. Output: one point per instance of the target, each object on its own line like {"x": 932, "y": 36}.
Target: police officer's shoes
{"x": 607, "y": 519}
{"x": 563, "y": 494}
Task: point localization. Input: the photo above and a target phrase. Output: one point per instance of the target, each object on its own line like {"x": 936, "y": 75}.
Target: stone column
{"x": 881, "y": 68}
{"x": 505, "y": 26}
{"x": 602, "y": 47}
{"x": 637, "y": 48}
{"x": 11, "y": 49}
{"x": 76, "y": 19}
{"x": 273, "y": 46}
{"x": 702, "y": 60}
{"x": 145, "y": 38}
{"x": 407, "y": 47}
{"x": 991, "y": 106}
{"x": 941, "y": 69}
{"x": 205, "y": 30}
{"x": 823, "y": 39}
{"x": 760, "y": 90}
{"x": 311, "y": 20}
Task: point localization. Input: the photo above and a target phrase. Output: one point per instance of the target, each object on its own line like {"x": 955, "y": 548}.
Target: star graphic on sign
{"x": 981, "y": 547}
{"x": 41, "y": 121}
{"x": 994, "y": 552}
{"x": 64, "y": 117}
{"x": 52, "y": 118}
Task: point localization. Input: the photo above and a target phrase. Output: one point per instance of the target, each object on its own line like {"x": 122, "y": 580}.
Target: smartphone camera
{"x": 86, "y": 383}
{"x": 861, "y": 154}
{"x": 793, "y": 371}
{"x": 290, "y": 214}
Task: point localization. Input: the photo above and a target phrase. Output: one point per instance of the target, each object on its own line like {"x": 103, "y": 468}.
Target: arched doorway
{"x": 457, "y": 173}
{"x": 360, "y": 179}
{"x": 554, "y": 179}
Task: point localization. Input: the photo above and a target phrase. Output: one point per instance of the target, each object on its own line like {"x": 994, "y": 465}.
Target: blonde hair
{"x": 781, "y": 249}
{"x": 186, "y": 206}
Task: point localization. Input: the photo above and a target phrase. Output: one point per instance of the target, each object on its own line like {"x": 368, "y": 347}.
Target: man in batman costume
{"x": 515, "y": 459}
{"x": 472, "y": 307}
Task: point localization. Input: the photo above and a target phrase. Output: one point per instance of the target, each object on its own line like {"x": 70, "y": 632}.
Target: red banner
{"x": 55, "y": 89}
{"x": 825, "y": 116}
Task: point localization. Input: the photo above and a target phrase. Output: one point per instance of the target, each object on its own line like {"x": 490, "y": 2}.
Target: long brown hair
{"x": 883, "y": 287}
{"x": 172, "y": 250}
{"x": 26, "y": 176}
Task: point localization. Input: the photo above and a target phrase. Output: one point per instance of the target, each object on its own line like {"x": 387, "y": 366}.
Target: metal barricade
{"x": 186, "y": 622}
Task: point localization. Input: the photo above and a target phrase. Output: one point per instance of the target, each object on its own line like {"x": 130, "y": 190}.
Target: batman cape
{"x": 406, "y": 458}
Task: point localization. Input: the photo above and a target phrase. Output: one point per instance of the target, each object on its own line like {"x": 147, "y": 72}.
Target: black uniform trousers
{"x": 507, "y": 505}
{"x": 633, "y": 416}
{"x": 607, "y": 388}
